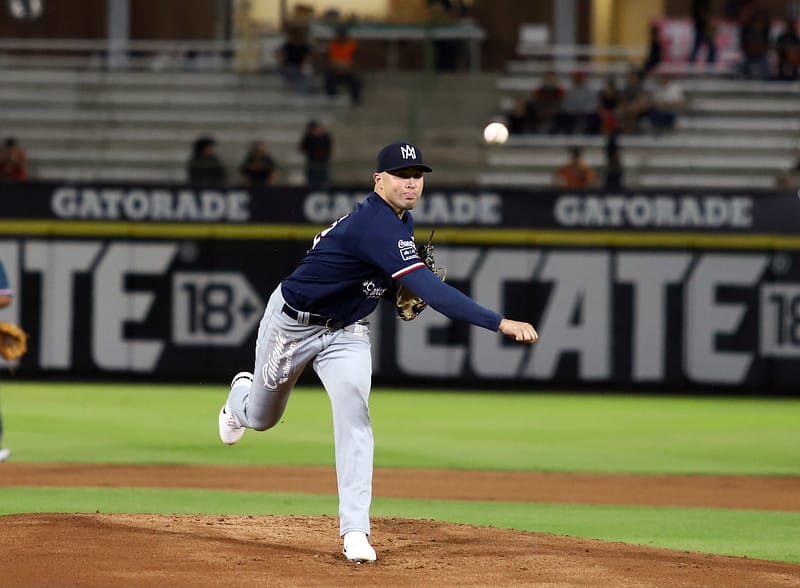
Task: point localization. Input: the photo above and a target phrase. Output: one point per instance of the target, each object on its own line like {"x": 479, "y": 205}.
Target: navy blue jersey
{"x": 353, "y": 263}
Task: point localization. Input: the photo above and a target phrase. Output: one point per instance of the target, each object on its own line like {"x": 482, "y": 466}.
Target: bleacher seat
{"x": 733, "y": 134}
{"x": 139, "y": 126}
{"x": 95, "y": 124}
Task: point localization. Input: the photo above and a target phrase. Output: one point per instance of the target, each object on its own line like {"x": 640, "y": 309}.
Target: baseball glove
{"x": 408, "y": 304}
{"x": 13, "y": 341}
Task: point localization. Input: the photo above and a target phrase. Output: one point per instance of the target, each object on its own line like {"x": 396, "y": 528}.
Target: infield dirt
{"x": 100, "y": 550}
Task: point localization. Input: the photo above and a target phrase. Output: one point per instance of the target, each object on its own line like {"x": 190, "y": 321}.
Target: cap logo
{"x": 408, "y": 152}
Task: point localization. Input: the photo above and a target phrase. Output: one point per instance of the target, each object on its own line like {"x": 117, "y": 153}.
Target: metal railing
{"x": 151, "y": 55}
{"x": 258, "y": 52}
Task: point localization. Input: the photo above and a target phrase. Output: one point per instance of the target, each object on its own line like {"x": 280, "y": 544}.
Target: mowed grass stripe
{"x": 150, "y": 423}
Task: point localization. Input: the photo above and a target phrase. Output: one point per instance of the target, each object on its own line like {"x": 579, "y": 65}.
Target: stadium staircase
{"x": 443, "y": 114}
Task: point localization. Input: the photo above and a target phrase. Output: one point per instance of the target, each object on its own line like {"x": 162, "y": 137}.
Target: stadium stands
{"x": 139, "y": 125}
{"x": 733, "y": 134}
{"x": 87, "y": 123}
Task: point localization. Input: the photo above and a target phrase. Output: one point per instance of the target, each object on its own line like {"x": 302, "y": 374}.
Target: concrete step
{"x": 112, "y": 98}
{"x": 680, "y": 163}
{"x": 691, "y": 86}
{"x": 747, "y": 106}
{"x": 687, "y": 140}
{"x": 211, "y": 118}
{"x": 144, "y": 157}
{"x": 707, "y": 181}
{"x": 740, "y": 124}
{"x": 290, "y": 175}
{"x": 633, "y": 180}
{"x": 154, "y": 139}
{"x": 58, "y": 173}
{"x": 56, "y": 78}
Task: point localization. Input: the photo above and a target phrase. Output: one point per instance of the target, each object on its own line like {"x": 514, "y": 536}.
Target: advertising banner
{"x": 674, "y": 291}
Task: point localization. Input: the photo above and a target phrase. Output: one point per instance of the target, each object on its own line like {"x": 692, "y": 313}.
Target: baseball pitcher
{"x": 317, "y": 316}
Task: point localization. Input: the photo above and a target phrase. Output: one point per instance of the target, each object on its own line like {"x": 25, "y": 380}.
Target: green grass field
{"x": 86, "y": 423}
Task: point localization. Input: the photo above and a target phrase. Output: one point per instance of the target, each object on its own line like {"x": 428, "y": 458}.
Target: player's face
{"x": 400, "y": 188}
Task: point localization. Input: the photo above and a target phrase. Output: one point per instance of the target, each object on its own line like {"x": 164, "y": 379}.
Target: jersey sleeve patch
{"x": 408, "y": 250}
{"x": 407, "y": 270}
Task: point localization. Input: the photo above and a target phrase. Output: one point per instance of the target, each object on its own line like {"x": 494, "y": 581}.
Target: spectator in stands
{"x": 653, "y": 50}
{"x": 516, "y": 120}
{"x": 447, "y": 52}
{"x": 294, "y": 60}
{"x": 531, "y": 113}
{"x": 316, "y": 144}
{"x": 634, "y": 102}
{"x": 258, "y": 167}
{"x": 13, "y": 161}
{"x": 610, "y": 100}
{"x": 787, "y": 50}
{"x": 545, "y": 102}
{"x": 579, "y": 108}
{"x": 340, "y": 66}
{"x": 704, "y": 30}
{"x": 667, "y": 101}
{"x": 575, "y": 174}
{"x": 790, "y": 179}
{"x": 732, "y": 8}
{"x": 205, "y": 167}
{"x": 754, "y": 42}
{"x": 614, "y": 178}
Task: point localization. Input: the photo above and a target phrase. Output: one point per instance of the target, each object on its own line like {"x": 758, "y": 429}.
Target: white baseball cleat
{"x": 4, "y": 453}
{"x": 357, "y": 547}
{"x": 230, "y": 429}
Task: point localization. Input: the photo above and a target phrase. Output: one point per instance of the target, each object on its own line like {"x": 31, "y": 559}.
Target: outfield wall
{"x": 644, "y": 290}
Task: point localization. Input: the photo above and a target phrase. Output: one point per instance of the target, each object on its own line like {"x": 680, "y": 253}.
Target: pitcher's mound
{"x": 169, "y": 550}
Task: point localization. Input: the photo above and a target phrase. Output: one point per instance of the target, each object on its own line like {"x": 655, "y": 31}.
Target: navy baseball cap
{"x": 400, "y": 155}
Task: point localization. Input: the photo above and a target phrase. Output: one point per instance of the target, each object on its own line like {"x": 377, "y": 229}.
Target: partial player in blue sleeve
{"x": 6, "y": 296}
{"x": 317, "y": 315}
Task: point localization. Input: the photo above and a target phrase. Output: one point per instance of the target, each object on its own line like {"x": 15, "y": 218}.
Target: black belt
{"x": 309, "y": 318}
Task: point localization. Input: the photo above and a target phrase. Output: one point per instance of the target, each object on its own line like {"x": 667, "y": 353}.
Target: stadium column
{"x": 118, "y": 33}
{"x": 564, "y": 25}
{"x": 564, "y": 28}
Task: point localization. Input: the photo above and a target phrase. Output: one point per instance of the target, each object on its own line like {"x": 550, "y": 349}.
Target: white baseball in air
{"x": 495, "y": 133}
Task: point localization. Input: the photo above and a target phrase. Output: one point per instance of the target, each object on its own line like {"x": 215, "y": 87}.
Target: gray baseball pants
{"x": 342, "y": 360}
